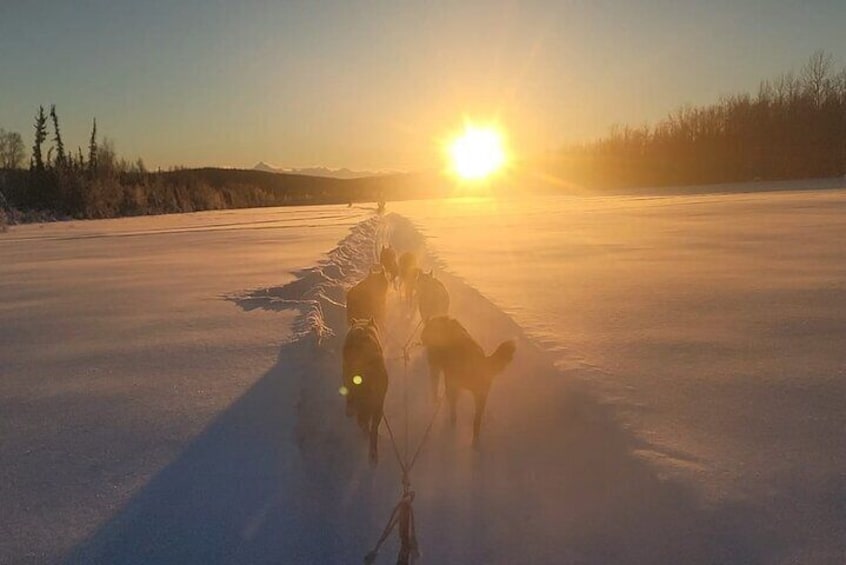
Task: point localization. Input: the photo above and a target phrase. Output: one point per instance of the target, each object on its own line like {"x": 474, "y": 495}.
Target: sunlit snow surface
{"x": 118, "y": 348}
{"x": 718, "y": 323}
{"x": 169, "y": 385}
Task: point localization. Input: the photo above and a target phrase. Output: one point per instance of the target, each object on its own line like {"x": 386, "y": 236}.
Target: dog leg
{"x": 363, "y": 419}
{"x": 376, "y": 419}
{"x": 481, "y": 401}
{"x": 434, "y": 377}
{"x": 452, "y": 398}
{"x": 434, "y": 374}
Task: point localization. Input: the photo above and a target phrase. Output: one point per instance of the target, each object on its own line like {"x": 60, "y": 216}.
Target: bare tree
{"x": 795, "y": 127}
{"x": 107, "y": 159}
{"x": 12, "y": 153}
{"x": 817, "y": 76}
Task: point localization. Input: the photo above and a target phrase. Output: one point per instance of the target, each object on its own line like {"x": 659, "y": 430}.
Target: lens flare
{"x": 343, "y": 391}
{"x": 477, "y": 152}
{"x": 357, "y": 380}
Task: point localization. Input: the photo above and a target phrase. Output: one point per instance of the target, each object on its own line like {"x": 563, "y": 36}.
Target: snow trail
{"x": 557, "y": 478}
{"x": 282, "y": 476}
{"x": 318, "y": 290}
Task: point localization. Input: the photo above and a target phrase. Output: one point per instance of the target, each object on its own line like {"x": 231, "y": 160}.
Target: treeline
{"x": 61, "y": 183}
{"x": 794, "y": 127}
{"x": 97, "y": 184}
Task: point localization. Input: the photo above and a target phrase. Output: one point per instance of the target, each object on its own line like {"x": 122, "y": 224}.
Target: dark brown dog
{"x": 408, "y": 274}
{"x": 450, "y": 348}
{"x": 388, "y": 260}
{"x": 367, "y": 299}
{"x": 432, "y": 296}
{"x": 365, "y": 379}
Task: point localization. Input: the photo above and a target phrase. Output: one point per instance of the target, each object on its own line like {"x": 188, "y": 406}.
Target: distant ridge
{"x": 264, "y": 188}
{"x": 326, "y": 172}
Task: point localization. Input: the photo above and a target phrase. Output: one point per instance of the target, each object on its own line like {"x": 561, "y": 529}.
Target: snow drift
{"x": 602, "y": 441}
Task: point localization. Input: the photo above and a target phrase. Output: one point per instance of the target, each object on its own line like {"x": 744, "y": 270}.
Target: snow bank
{"x": 317, "y": 293}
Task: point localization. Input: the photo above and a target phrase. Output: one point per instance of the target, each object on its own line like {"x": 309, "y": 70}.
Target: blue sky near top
{"x": 379, "y": 85}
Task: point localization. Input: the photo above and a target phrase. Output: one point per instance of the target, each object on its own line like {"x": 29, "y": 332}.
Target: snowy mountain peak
{"x": 342, "y": 173}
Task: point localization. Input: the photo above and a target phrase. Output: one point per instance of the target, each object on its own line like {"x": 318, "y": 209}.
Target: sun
{"x": 477, "y": 152}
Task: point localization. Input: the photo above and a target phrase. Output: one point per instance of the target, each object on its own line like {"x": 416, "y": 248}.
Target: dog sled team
{"x": 449, "y": 347}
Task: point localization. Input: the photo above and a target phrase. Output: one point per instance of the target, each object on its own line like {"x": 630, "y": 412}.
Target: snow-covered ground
{"x": 118, "y": 350}
{"x": 168, "y": 386}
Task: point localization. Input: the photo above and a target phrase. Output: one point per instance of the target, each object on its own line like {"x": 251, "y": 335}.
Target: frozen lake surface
{"x": 678, "y": 394}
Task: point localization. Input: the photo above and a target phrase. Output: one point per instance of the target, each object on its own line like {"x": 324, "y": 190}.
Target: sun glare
{"x": 477, "y": 152}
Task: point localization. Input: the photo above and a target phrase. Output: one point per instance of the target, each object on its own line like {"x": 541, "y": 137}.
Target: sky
{"x": 382, "y": 85}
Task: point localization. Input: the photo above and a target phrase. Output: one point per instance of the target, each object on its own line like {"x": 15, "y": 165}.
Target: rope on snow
{"x": 403, "y": 513}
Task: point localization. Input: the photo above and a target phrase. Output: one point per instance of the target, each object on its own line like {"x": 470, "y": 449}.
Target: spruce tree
{"x": 40, "y": 136}
{"x": 92, "y": 148}
{"x": 57, "y": 139}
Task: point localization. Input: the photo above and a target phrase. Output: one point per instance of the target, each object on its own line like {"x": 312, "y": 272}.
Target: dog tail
{"x": 499, "y": 359}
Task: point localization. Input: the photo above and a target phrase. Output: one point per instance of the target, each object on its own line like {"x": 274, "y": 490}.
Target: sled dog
{"x": 388, "y": 260}
{"x": 367, "y": 298}
{"x": 408, "y": 274}
{"x": 432, "y": 296}
{"x": 365, "y": 380}
{"x": 450, "y": 348}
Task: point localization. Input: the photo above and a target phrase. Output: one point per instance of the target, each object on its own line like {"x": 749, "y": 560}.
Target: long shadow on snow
{"x": 254, "y": 487}
{"x": 558, "y": 484}
{"x": 214, "y": 503}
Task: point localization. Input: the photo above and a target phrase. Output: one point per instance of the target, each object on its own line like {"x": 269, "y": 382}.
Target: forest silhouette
{"x": 793, "y": 128}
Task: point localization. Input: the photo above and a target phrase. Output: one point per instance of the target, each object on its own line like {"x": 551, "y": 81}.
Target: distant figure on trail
{"x": 380, "y": 207}
{"x": 450, "y": 348}
{"x": 408, "y": 274}
{"x": 388, "y": 260}
{"x": 367, "y": 299}
{"x": 432, "y": 296}
{"x": 365, "y": 380}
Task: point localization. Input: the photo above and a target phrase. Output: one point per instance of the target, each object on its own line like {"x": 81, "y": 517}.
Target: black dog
{"x": 367, "y": 298}
{"x": 388, "y": 260}
{"x": 365, "y": 379}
